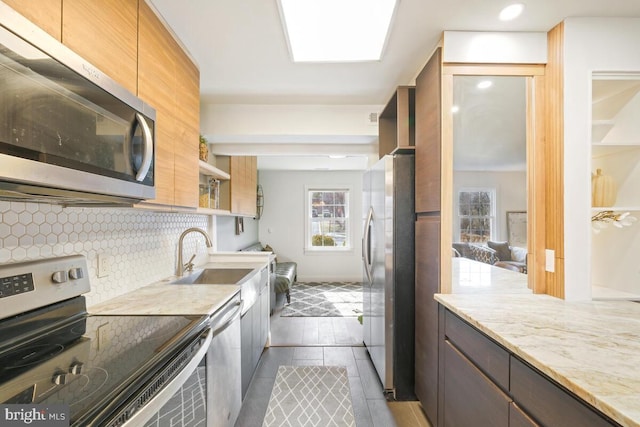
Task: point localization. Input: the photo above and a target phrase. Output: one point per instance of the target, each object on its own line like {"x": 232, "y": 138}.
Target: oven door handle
{"x": 144, "y": 414}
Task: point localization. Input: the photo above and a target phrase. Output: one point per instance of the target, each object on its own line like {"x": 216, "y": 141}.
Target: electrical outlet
{"x": 104, "y": 265}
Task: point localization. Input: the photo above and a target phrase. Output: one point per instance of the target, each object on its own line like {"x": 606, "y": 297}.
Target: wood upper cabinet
{"x": 157, "y": 86}
{"x": 169, "y": 81}
{"x": 187, "y": 114}
{"x": 396, "y": 124}
{"x": 126, "y": 40}
{"x": 105, "y": 33}
{"x": 45, "y": 14}
{"x": 239, "y": 193}
{"x": 428, "y": 135}
{"x": 244, "y": 184}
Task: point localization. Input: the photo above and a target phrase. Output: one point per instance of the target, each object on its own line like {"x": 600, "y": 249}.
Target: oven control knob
{"x": 59, "y": 378}
{"x": 76, "y": 368}
{"x": 76, "y": 273}
{"x": 60, "y": 277}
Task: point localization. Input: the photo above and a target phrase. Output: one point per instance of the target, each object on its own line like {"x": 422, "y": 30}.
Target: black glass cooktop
{"x": 86, "y": 362}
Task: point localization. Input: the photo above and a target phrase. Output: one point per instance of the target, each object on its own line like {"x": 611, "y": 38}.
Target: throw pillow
{"x": 483, "y": 254}
{"x": 503, "y": 251}
{"x": 463, "y": 249}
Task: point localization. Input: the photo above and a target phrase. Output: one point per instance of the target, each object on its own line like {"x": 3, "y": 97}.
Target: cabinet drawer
{"x": 490, "y": 357}
{"x": 470, "y": 398}
{"x": 517, "y": 418}
{"x": 549, "y": 404}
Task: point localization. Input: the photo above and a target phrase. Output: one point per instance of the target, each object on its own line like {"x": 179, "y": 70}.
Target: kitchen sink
{"x": 214, "y": 276}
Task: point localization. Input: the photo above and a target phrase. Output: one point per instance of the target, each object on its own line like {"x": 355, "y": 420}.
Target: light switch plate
{"x": 550, "y": 260}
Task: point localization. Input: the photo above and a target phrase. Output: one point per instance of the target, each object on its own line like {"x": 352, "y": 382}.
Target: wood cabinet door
{"x": 187, "y": 95}
{"x": 243, "y": 171}
{"x": 428, "y": 107}
{"x": 156, "y": 86}
{"x": 45, "y": 14}
{"x": 105, "y": 33}
{"x": 470, "y": 398}
{"x": 427, "y": 255}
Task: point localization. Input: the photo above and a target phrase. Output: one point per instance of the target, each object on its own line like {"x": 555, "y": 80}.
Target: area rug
{"x": 310, "y": 396}
{"x": 324, "y": 299}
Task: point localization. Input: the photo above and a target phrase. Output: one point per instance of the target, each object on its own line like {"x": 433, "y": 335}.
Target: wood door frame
{"x": 535, "y": 78}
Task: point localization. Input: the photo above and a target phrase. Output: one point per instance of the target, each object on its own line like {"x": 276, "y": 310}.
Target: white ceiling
{"x": 243, "y": 57}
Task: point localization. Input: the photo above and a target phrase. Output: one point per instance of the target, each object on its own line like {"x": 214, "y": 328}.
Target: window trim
{"x": 319, "y": 250}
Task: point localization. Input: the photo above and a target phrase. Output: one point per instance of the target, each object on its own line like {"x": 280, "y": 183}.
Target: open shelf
{"x": 210, "y": 170}
{"x": 218, "y": 212}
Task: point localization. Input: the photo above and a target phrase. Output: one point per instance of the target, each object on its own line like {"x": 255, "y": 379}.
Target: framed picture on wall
{"x": 517, "y": 229}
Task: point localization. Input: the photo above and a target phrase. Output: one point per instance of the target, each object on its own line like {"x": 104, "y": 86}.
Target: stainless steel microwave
{"x": 69, "y": 134}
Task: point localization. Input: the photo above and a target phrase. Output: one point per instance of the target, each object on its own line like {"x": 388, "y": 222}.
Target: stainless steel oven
{"x": 68, "y": 132}
{"x": 105, "y": 370}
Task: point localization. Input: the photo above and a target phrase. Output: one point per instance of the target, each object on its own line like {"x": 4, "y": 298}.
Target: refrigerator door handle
{"x": 366, "y": 245}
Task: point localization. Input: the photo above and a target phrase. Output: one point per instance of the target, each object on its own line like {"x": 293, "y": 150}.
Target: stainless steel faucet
{"x": 181, "y": 266}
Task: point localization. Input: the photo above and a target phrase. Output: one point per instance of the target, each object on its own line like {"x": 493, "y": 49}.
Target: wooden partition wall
{"x": 537, "y": 177}
{"x": 554, "y": 155}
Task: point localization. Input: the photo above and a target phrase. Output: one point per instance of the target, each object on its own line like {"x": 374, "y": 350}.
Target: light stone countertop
{"x": 162, "y": 298}
{"x": 591, "y": 348}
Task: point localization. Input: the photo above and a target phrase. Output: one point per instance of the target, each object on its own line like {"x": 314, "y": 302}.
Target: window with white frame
{"x": 328, "y": 223}
{"x": 476, "y": 214}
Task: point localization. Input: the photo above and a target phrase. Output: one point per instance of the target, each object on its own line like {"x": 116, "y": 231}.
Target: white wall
{"x": 591, "y": 45}
{"x": 226, "y": 237}
{"x": 511, "y": 194}
{"x": 282, "y": 225}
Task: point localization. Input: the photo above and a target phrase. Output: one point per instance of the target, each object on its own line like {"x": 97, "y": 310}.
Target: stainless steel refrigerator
{"x": 388, "y": 282}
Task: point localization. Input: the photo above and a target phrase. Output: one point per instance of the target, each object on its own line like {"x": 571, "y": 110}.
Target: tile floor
{"x": 326, "y": 341}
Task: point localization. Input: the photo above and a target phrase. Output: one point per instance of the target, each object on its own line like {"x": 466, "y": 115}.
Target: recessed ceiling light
{"x": 485, "y": 84}
{"x": 336, "y": 30}
{"x": 511, "y": 12}
{"x": 455, "y": 109}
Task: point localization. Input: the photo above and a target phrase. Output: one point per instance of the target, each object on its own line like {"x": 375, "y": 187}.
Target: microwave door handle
{"x": 148, "y": 148}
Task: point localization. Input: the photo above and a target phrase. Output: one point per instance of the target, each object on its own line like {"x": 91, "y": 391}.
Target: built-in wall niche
{"x": 615, "y": 163}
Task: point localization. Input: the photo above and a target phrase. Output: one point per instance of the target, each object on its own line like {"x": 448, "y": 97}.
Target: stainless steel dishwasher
{"x": 254, "y": 323}
{"x": 223, "y": 366}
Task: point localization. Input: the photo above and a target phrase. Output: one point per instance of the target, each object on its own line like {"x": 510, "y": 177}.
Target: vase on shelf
{"x": 603, "y": 190}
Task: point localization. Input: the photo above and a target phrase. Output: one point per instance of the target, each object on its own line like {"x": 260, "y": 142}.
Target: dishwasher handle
{"x": 219, "y": 327}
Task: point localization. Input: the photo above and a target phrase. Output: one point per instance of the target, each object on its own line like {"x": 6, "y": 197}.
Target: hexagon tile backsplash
{"x": 141, "y": 245}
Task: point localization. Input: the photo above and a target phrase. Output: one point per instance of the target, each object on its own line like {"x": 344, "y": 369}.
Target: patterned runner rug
{"x": 324, "y": 299}
{"x": 306, "y": 396}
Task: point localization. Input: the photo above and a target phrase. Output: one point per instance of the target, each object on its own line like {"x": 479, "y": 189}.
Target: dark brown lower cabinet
{"x": 518, "y": 418}
{"x": 475, "y": 392}
{"x": 470, "y": 398}
{"x": 427, "y": 272}
{"x": 547, "y": 402}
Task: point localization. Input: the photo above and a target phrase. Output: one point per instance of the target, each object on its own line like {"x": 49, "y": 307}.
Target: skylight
{"x": 336, "y": 30}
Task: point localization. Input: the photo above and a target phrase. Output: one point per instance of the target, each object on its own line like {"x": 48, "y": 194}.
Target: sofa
{"x": 283, "y": 275}
{"x": 498, "y": 254}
